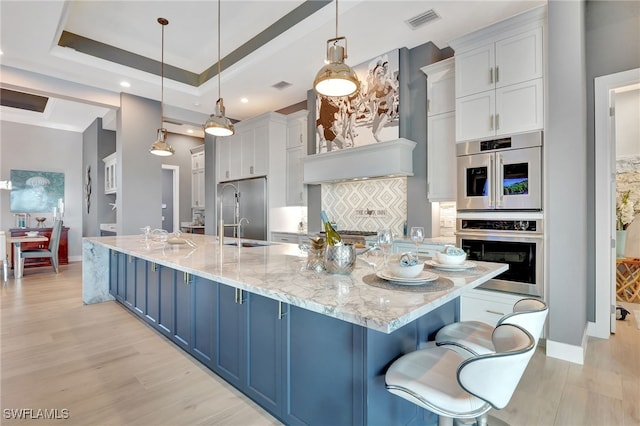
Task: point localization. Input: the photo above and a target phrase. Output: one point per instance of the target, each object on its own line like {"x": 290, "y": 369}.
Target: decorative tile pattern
{"x": 345, "y": 203}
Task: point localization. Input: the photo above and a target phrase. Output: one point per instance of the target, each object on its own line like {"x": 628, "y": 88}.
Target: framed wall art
{"x": 36, "y": 191}
{"x": 368, "y": 116}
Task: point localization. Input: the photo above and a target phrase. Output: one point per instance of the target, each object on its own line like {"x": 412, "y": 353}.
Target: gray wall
{"x": 612, "y": 42}
{"x": 26, "y": 147}
{"x": 183, "y": 144}
{"x": 566, "y": 153}
{"x": 586, "y": 40}
{"x": 96, "y": 144}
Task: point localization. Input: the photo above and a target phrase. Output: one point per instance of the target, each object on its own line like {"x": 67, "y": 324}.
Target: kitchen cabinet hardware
{"x": 187, "y": 278}
{"x": 494, "y": 312}
{"x": 154, "y": 267}
{"x": 281, "y": 312}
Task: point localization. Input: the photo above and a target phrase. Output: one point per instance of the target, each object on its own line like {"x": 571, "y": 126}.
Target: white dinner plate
{"x": 462, "y": 267}
{"x": 423, "y": 278}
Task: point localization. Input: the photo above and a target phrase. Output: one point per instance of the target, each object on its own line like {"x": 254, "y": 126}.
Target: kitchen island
{"x": 310, "y": 348}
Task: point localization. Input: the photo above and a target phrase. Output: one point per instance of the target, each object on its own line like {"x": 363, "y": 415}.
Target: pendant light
{"x": 218, "y": 124}
{"x": 336, "y": 78}
{"x": 160, "y": 146}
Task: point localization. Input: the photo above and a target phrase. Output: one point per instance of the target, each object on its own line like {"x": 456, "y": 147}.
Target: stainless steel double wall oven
{"x": 500, "y": 209}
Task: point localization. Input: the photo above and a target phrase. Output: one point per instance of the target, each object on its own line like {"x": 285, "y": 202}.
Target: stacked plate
{"x": 461, "y": 267}
{"x": 423, "y": 278}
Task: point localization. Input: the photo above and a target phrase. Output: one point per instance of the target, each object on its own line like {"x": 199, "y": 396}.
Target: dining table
{"x": 17, "y": 250}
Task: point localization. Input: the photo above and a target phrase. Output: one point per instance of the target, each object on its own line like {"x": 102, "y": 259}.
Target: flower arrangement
{"x": 624, "y": 211}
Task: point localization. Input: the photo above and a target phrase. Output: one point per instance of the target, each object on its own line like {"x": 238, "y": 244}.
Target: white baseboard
{"x": 567, "y": 352}
{"x": 75, "y": 258}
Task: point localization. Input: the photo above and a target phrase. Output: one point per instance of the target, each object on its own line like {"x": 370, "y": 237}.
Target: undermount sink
{"x": 248, "y": 244}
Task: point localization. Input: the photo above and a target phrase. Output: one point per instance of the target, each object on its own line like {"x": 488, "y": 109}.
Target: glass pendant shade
{"x": 336, "y": 78}
{"x": 218, "y": 124}
{"x": 161, "y": 147}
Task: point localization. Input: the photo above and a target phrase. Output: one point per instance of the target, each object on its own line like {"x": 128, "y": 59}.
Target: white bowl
{"x": 447, "y": 259}
{"x": 400, "y": 271}
{"x": 32, "y": 233}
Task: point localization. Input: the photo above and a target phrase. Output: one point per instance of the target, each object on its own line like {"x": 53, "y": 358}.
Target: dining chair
{"x": 475, "y": 336}
{"x": 51, "y": 251}
{"x": 463, "y": 387}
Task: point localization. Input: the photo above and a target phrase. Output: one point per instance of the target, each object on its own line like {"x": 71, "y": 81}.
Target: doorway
{"x": 605, "y": 187}
{"x": 170, "y": 198}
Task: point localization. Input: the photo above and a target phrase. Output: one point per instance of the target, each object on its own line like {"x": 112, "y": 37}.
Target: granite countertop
{"x": 278, "y": 271}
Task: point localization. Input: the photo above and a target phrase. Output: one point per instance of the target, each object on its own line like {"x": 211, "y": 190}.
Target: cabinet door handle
{"x": 251, "y": 169}
{"x": 281, "y": 312}
{"x": 428, "y": 105}
{"x": 227, "y": 173}
{"x": 497, "y": 121}
{"x": 187, "y": 278}
{"x": 497, "y": 74}
{"x": 154, "y": 267}
{"x": 130, "y": 259}
{"x": 491, "y": 75}
{"x": 300, "y": 138}
{"x": 239, "y": 296}
{"x": 491, "y": 122}
{"x": 494, "y": 312}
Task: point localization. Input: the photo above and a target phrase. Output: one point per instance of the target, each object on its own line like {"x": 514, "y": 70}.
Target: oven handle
{"x": 498, "y": 235}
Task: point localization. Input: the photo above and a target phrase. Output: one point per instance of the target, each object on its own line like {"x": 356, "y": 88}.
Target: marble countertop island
{"x": 278, "y": 271}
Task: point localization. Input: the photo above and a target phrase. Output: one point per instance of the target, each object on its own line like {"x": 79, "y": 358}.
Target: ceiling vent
{"x": 422, "y": 19}
{"x": 27, "y": 101}
{"x": 281, "y": 85}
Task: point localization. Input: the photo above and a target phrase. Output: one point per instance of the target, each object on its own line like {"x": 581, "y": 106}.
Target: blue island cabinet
{"x": 248, "y": 349}
{"x": 303, "y": 367}
{"x": 117, "y": 275}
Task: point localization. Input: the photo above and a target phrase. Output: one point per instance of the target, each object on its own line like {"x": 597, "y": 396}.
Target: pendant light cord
{"x": 336, "y": 18}
{"x": 162, "y": 81}
{"x": 218, "y": 50}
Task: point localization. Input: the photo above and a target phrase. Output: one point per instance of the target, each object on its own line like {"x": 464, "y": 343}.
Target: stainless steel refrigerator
{"x": 244, "y": 199}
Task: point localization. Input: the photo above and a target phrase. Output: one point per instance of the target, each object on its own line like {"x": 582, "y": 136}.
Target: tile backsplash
{"x": 367, "y": 205}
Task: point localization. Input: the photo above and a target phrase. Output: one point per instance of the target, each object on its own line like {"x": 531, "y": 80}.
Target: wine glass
{"x": 417, "y": 236}
{"x": 385, "y": 241}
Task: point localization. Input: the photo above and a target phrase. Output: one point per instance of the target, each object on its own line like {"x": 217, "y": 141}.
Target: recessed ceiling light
{"x": 244, "y": 100}
{"x": 125, "y": 84}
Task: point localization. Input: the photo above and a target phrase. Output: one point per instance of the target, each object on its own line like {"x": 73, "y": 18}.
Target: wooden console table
{"x": 628, "y": 279}
{"x": 63, "y": 248}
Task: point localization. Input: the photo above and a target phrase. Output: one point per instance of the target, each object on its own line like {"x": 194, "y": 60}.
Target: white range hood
{"x": 382, "y": 159}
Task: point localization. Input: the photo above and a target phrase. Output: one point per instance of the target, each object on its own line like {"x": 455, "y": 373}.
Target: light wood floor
{"x": 106, "y": 367}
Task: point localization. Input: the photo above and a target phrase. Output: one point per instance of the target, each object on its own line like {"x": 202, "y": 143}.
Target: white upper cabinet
{"x": 507, "y": 61}
{"x": 297, "y": 129}
{"x": 110, "y": 182}
{"x": 440, "y": 87}
{"x": 441, "y": 128}
{"x": 197, "y": 160}
{"x": 296, "y": 151}
{"x": 499, "y": 78}
{"x": 197, "y": 177}
{"x": 254, "y": 155}
{"x": 246, "y": 154}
